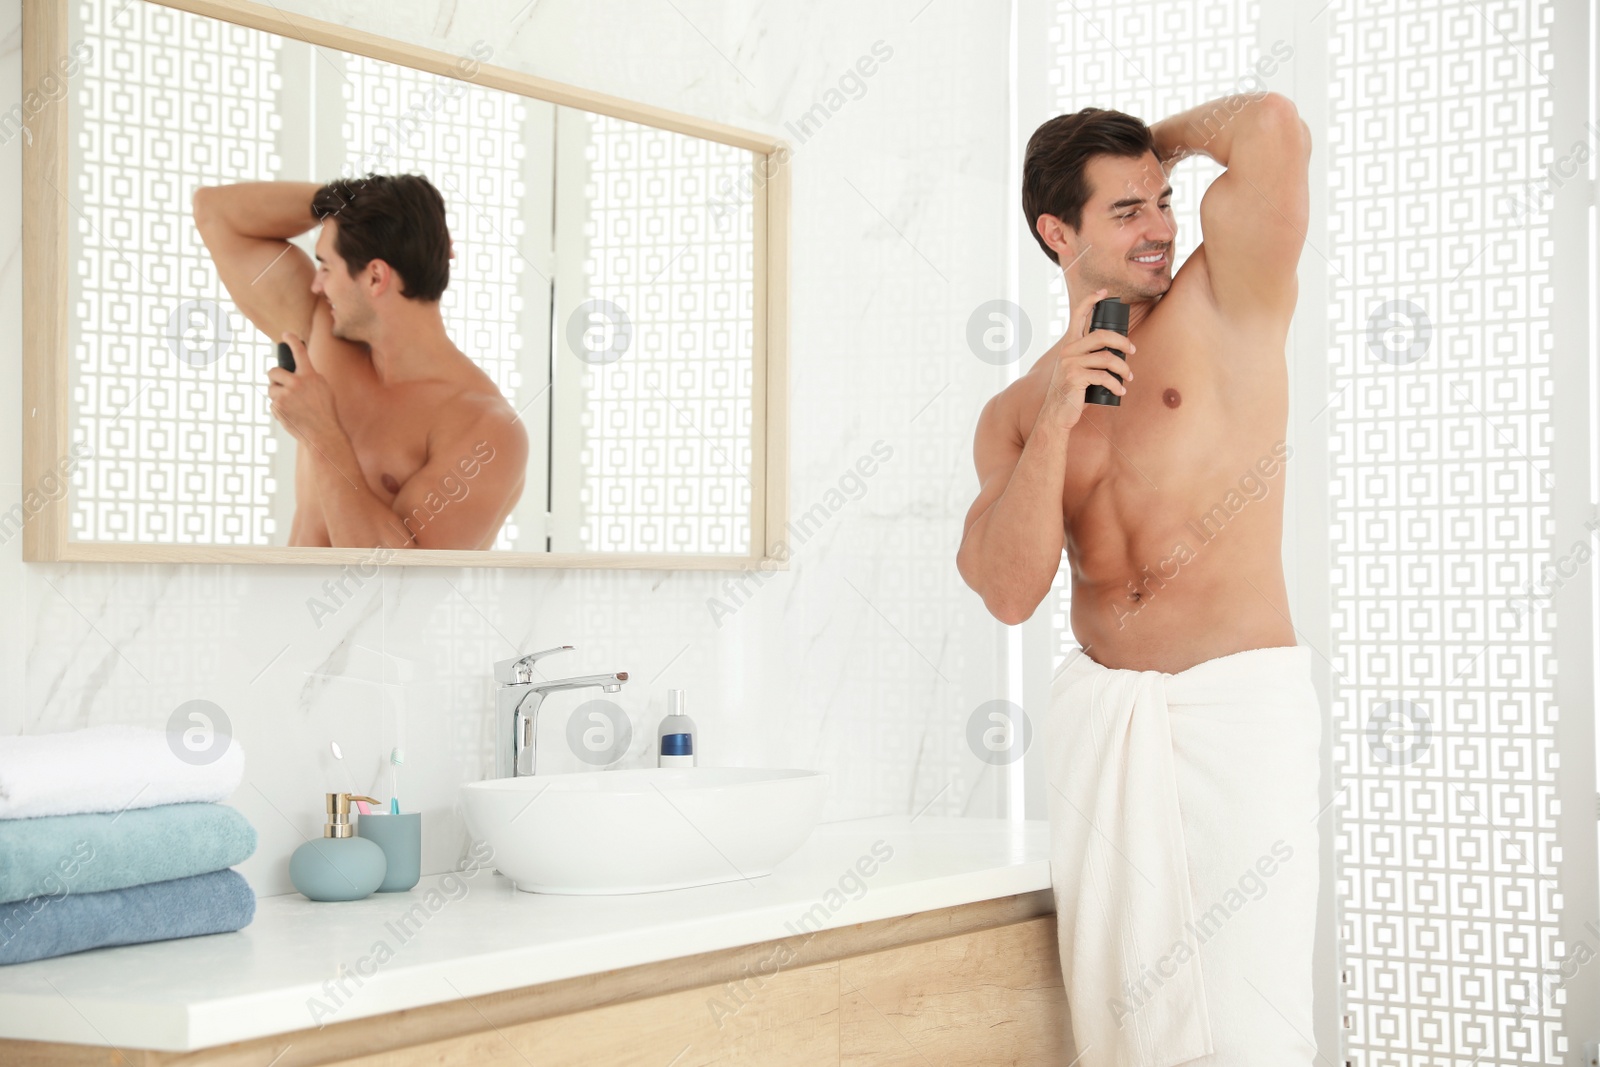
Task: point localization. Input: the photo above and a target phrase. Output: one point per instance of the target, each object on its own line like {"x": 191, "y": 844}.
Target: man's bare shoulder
{"x": 479, "y": 395}
{"x": 478, "y": 410}
{"x": 1017, "y": 405}
{"x": 485, "y": 405}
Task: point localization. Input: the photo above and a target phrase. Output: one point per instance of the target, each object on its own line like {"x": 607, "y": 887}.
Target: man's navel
{"x": 1172, "y": 398}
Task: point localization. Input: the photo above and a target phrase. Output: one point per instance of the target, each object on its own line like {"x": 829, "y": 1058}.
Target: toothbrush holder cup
{"x": 400, "y": 837}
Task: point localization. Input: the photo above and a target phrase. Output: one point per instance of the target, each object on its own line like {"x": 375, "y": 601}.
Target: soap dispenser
{"x": 338, "y": 865}
{"x": 675, "y": 739}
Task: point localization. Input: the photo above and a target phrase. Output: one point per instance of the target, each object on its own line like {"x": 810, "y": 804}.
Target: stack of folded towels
{"x": 107, "y": 837}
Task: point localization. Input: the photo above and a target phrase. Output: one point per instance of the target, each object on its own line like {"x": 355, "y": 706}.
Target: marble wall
{"x": 864, "y": 659}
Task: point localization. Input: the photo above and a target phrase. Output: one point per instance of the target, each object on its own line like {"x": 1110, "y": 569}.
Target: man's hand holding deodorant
{"x": 1088, "y": 360}
{"x": 301, "y": 399}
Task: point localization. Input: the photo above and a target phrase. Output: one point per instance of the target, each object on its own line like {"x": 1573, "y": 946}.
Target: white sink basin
{"x": 644, "y": 829}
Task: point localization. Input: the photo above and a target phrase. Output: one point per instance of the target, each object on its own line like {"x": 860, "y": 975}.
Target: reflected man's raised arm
{"x": 246, "y": 228}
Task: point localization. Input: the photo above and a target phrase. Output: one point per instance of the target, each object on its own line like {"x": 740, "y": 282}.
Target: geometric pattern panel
{"x": 1439, "y": 444}
{"x": 165, "y": 373}
{"x": 666, "y": 423}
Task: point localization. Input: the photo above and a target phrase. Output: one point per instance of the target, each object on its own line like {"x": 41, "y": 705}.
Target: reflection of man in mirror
{"x": 403, "y": 441}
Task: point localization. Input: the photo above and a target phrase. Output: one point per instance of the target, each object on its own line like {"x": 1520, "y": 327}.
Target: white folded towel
{"x": 1184, "y": 858}
{"x": 108, "y": 768}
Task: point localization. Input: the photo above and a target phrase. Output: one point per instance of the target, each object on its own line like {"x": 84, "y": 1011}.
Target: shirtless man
{"x": 403, "y": 441}
{"x": 1168, "y": 568}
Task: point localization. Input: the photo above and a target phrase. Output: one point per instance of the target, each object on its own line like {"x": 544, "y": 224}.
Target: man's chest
{"x": 1158, "y": 434}
{"x": 389, "y": 430}
{"x": 1183, "y": 436}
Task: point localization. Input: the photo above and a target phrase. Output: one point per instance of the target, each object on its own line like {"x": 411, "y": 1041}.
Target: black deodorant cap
{"x": 286, "y": 354}
{"x": 1109, "y": 314}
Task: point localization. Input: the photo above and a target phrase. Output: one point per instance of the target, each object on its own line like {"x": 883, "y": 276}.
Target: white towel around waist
{"x": 1172, "y": 798}
{"x": 110, "y": 768}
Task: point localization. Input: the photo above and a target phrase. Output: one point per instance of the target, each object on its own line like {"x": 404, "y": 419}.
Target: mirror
{"x": 606, "y": 333}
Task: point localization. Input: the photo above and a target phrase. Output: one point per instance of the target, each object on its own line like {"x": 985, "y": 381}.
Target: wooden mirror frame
{"x": 45, "y": 367}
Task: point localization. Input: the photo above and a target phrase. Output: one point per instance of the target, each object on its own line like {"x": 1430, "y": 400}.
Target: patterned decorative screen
{"x": 1170, "y": 55}
{"x": 1440, "y": 429}
{"x": 157, "y": 335}
{"x": 1439, "y": 440}
{"x": 666, "y": 449}
{"x": 467, "y": 141}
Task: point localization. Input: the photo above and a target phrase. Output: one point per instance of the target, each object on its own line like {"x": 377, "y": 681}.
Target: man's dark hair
{"x": 398, "y": 219}
{"x": 1053, "y": 178}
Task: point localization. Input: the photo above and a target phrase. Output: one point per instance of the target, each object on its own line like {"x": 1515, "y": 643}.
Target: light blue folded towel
{"x": 40, "y": 927}
{"x": 52, "y": 854}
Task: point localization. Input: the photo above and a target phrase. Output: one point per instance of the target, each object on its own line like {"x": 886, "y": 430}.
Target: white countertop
{"x": 480, "y": 935}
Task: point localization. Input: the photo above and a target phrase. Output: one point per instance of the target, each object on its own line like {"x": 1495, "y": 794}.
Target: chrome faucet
{"x": 517, "y": 700}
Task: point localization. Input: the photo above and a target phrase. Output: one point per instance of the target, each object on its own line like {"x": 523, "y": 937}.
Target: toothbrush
{"x": 397, "y": 756}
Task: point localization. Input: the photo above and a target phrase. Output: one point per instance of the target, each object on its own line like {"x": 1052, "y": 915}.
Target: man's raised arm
{"x": 246, "y": 228}
{"x": 1253, "y": 217}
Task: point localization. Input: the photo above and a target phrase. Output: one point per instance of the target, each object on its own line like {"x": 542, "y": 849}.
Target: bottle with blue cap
{"x": 675, "y": 746}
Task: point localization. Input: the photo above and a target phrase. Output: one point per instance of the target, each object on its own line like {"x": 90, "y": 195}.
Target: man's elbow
{"x": 1004, "y": 605}
{"x": 1279, "y": 106}
{"x": 1011, "y": 612}
{"x": 203, "y": 206}
{"x": 1007, "y": 607}
{"x": 208, "y": 207}
{"x": 1279, "y": 109}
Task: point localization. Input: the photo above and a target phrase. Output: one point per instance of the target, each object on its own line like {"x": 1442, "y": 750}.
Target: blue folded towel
{"x": 40, "y": 927}
{"x": 47, "y": 855}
